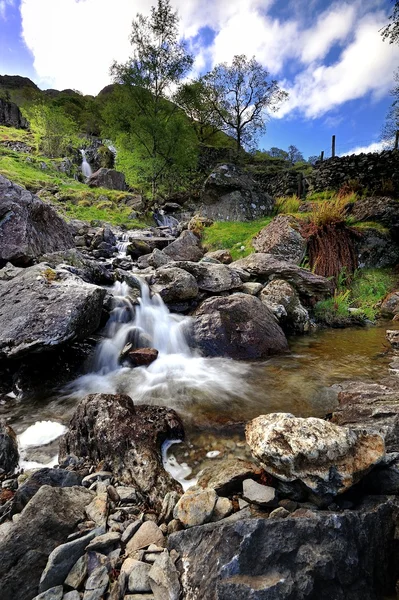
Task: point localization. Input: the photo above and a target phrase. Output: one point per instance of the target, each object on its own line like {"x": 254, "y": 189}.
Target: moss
{"x": 235, "y": 236}
{"x": 50, "y": 275}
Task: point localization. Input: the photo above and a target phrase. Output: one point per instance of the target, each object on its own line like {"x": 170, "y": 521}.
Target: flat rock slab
{"x": 264, "y": 495}
{"x": 327, "y": 458}
{"x": 42, "y": 307}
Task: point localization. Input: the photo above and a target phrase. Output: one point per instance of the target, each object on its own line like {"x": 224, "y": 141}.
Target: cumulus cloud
{"x": 374, "y": 147}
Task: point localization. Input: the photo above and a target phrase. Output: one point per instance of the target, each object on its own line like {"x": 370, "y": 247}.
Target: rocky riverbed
{"x": 147, "y": 336}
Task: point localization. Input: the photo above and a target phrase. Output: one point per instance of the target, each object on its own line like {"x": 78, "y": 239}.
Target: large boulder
{"x": 341, "y": 556}
{"x": 281, "y": 298}
{"x": 109, "y": 430}
{"x": 11, "y": 116}
{"x": 46, "y": 522}
{"x": 42, "y": 307}
{"x": 376, "y": 249}
{"x": 390, "y": 305}
{"x": 185, "y": 247}
{"x": 282, "y": 239}
{"x": 28, "y": 226}
{"x": 372, "y": 407}
{"x": 327, "y": 458}
{"x": 107, "y": 178}
{"x": 265, "y": 266}
{"x": 238, "y": 326}
{"x": 231, "y": 194}
{"x": 174, "y": 284}
{"x": 213, "y": 278}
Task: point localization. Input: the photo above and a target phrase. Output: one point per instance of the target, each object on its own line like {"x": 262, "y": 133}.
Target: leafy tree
{"x": 277, "y": 153}
{"x": 312, "y": 160}
{"x": 391, "y": 31}
{"x": 195, "y": 100}
{"x": 241, "y": 96}
{"x": 294, "y": 155}
{"x": 53, "y": 130}
{"x": 150, "y": 125}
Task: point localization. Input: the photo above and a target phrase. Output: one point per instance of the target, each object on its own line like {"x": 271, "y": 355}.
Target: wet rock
{"x": 45, "y": 523}
{"x": 390, "y": 305}
{"x": 104, "y": 235}
{"x": 9, "y": 455}
{"x": 55, "y": 593}
{"x": 107, "y": 178}
{"x": 28, "y": 226}
{"x": 185, "y": 247}
{"x": 142, "y": 357}
{"x": 41, "y": 308}
{"x": 195, "y": 507}
{"x": 226, "y": 476}
{"x": 174, "y": 284}
{"x": 327, "y": 458}
{"x": 282, "y": 239}
{"x": 291, "y": 558}
{"x": 371, "y": 407}
{"x": 223, "y": 256}
{"x": 138, "y": 248}
{"x": 263, "y": 495}
{"x": 212, "y": 278}
{"x": 231, "y": 194}
{"x": 263, "y": 266}
{"x": 393, "y": 338}
{"x": 62, "y": 560}
{"x": 99, "y": 431}
{"x": 76, "y": 263}
{"x": 164, "y": 578}
{"x": 139, "y": 582}
{"x": 238, "y": 326}
{"x": 280, "y": 297}
{"x": 148, "y": 533}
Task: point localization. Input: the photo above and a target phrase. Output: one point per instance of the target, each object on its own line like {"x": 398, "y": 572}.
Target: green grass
{"x": 16, "y": 135}
{"x": 325, "y": 195}
{"x": 287, "y": 205}
{"x": 235, "y": 236}
{"x": 369, "y": 225}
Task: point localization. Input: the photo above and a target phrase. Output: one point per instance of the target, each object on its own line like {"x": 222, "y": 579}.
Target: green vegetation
{"x": 235, "y": 236}
{"x": 54, "y": 132}
{"x": 288, "y": 205}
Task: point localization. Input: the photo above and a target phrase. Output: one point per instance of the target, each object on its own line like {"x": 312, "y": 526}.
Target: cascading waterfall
{"x": 122, "y": 244}
{"x": 163, "y": 220}
{"x": 86, "y": 168}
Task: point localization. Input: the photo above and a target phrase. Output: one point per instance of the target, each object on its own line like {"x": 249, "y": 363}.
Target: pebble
{"x": 98, "y": 476}
{"x": 131, "y": 530}
{"x": 78, "y": 573}
{"x": 223, "y": 508}
{"x": 98, "y": 580}
{"x": 195, "y": 507}
{"x": 138, "y": 578}
{"x": 279, "y": 513}
{"x": 149, "y": 533}
{"x": 257, "y": 493}
{"x": 104, "y": 542}
{"x": 97, "y": 510}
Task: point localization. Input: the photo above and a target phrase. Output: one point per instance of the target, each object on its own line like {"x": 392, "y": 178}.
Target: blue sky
{"x": 329, "y": 56}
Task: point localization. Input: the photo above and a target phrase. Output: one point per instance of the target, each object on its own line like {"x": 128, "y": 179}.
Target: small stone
{"x": 77, "y": 574}
{"x": 223, "y": 508}
{"x": 195, "y": 507}
{"x": 174, "y": 526}
{"x": 242, "y": 504}
{"x": 97, "y": 476}
{"x": 138, "y": 578}
{"x": 168, "y": 505}
{"x": 164, "y": 578}
{"x": 127, "y": 494}
{"x": 97, "y": 510}
{"x": 54, "y": 593}
{"x": 113, "y": 494}
{"x": 104, "y": 542}
{"x": 130, "y": 531}
{"x": 149, "y": 533}
{"x": 279, "y": 513}
{"x": 303, "y": 512}
{"x": 98, "y": 580}
{"x": 257, "y": 493}
{"x": 74, "y": 595}
{"x": 139, "y": 597}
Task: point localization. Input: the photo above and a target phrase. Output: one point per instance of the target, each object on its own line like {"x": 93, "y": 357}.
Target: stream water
{"x": 85, "y": 167}
{"x": 214, "y": 396}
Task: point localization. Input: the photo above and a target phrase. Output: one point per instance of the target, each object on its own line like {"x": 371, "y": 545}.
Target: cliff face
{"x": 11, "y": 116}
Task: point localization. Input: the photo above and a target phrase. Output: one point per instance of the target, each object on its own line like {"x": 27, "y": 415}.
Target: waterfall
{"x": 163, "y": 220}
{"x": 122, "y": 245}
{"x": 86, "y": 168}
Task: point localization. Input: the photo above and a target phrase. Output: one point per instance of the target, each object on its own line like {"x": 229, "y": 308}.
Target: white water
{"x": 40, "y": 434}
{"x": 179, "y": 375}
{"x": 86, "y": 168}
{"x": 122, "y": 245}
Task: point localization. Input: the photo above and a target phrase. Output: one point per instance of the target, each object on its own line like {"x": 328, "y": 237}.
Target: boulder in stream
{"x": 282, "y": 239}
{"x": 43, "y": 307}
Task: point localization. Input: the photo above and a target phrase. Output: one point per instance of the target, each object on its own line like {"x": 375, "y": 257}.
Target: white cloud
{"x": 4, "y": 4}
{"x": 374, "y": 147}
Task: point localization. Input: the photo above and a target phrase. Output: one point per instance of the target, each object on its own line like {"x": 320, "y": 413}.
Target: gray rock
{"x": 97, "y": 510}
{"x": 28, "y": 226}
{"x": 263, "y": 495}
{"x": 226, "y": 476}
{"x": 279, "y": 513}
{"x": 45, "y": 523}
{"x": 149, "y": 533}
{"x": 223, "y": 508}
{"x": 376, "y": 249}
{"x": 61, "y": 561}
{"x": 238, "y": 326}
{"x": 195, "y": 507}
{"x": 168, "y": 505}
{"x": 55, "y": 593}
{"x": 282, "y": 239}
{"x": 210, "y": 277}
{"x": 9, "y": 272}
{"x": 393, "y": 338}
{"x": 107, "y": 178}
{"x": 164, "y": 578}
{"x": 390, "y": 305}
{"x": 223, "y": 256}
{"x": 327, "y": 458}
{"x": 185, "y": 247}
{"x": 9, "y": 455}
{"x": 41, "y": 308}
{"x": 252, "y": 288}
{"x": 138, "y": 578}
{"x": 131, "y": 530}
{"x": 98, "y": 430}
{"x": 231, "y": 194}
{"x": 77, "y": 574}
{"x": 104, "y": 543}
{"x": 11, "y": 116}
{"x": 263, "y": 266}
{"x": 74, "y": 595}
{"x": 280, "y": 297}
{"x": 174, "y": 284}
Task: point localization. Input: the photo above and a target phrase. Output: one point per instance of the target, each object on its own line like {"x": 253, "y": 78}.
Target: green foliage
{"x": 324, "y": 195}
{"x": 287, "y": 205}
{"x": 53, "y": 130}
{"x": 118, "y": 216}
{"x": 334, "y": 308}
{"x": 235, "y": 236}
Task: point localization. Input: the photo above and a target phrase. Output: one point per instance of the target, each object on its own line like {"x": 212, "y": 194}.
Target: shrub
{"x": 287, "y": 205}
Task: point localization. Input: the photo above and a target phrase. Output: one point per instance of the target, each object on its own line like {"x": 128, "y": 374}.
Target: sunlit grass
{"x": 235, "y": 236}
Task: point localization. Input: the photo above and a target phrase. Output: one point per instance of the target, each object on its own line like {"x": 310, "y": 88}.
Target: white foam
{"x": 40, "y": 434}
{"x": 27, "y": 465}
{"x": 179, "y": 471}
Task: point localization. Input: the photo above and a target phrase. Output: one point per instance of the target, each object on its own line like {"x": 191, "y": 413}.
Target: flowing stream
{"x": 86, "y": 168}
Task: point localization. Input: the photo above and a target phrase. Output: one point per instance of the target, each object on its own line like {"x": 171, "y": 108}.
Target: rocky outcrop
{"x": 185, "y": 247}
{"x": 213, "y": 278}
{"x": 9, "y": 455}
{"x": 41, "y": 308}
{"x": 292, "y": 558}
{"x": 376, "y": 249}
{"x": 110, "y": 430}
{"x": 281, "y": 239}
{"x": 281, "y": 298}
{"x": 238, "y": 326}
{"x": 264, "y": 266}
{"x": 326, "y": 458}
{"x": 174, "y": 284}
{"x": 11, "y": 116}
{"x": 381, "y": 209}
{"x": 231, "y": 194}
{"x": 108, "y": 179}
{"x": 390, "y": 305}
{"x": 28, "y": 226}
{"x": 46, "y": 521}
